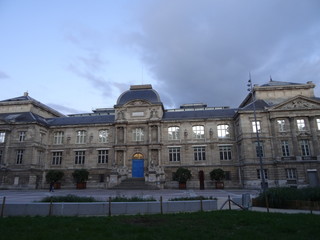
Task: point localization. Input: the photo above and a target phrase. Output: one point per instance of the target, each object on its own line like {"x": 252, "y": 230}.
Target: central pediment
{"x": 297, "y": 103}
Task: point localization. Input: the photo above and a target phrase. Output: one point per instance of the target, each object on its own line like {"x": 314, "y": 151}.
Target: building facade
{"x": 139, "y": 138}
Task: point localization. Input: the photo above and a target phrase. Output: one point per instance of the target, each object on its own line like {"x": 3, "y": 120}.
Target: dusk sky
{"x": 78, "y": 55}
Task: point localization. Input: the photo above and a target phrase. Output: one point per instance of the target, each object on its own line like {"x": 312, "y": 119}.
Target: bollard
{"x": 2, "y": 207}
{"x": 109, "y": 213}
{"x": 161, "y": 209}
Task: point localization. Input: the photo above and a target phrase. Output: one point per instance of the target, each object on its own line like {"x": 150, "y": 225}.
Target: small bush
{"x": 192, "y": 198}
{"x": 132, "y": 199}
{"x": 69, "y": 198}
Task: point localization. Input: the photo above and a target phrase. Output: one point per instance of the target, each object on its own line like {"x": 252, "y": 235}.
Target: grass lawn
{"x": 208, "y": 225}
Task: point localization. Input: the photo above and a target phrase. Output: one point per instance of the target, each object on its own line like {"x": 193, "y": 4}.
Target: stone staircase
{"x": 134, "y": 184}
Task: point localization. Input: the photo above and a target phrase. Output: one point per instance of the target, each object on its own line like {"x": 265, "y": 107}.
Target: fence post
{"x": 201, "y": 206}
{"x": 267, "y": 201}
{"x": 109, "y": 212}
{"x": 310, "y": 206}
{"x": 2, "y": 207}
{"x": 50, "y": 207}
{"x": 161, "y": 207}
{"x": 229, "y": 202}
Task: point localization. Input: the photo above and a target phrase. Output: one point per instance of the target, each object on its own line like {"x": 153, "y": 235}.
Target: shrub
{"x": 192, "y": 198}
{"x": 132, "y": 199}
{"x": 182, "y": 175}
{"x": 217, "y": 175}
{"x": 69, "y": 198}
{"x": 80, "y": 175}
{"x": 54, "y": 176}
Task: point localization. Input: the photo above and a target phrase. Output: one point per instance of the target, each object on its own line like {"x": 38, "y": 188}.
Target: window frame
{"x": 19, "y": 156}
{"x": 281, "y": 125}
{"x": 80, "y": 157}
{"x": 198, "y": 131}
{"x": 261, "y": 150}
{"x": 305, "y": 147}
{"x": 318, "y": 123}
{"x": 174, "y": 133}
{"x": 56, "y": 158}
{"x": 103, "y": 156}
{"x": 199, "y": 153}
{"x": 58, "y": 137}
{"x": 225, "y": 152}
{"x": 256, "y": 126}
{"x": 103, "y": 135}
{"x": 138, "y": 134}
{"x": 22, "y": 136}
{"x": 81, "y": 136}
{"x": 174, "y": 154}
{"x": 265, "y": 172}
{"x": 223, "y": 131}
{"x": 291, "y": 173}
{"x": 2, "y": 137}
{"x": 301, "y": 125}
{"x": 285, "y": 148}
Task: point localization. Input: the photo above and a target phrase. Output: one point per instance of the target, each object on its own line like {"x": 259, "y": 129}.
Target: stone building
{"x": 140, "y": 139}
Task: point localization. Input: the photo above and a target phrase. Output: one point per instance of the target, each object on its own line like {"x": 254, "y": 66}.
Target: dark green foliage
{"x": 80, "y": 175}
{"x": 182, "y": 175}
{"x": 69, "y": 198}
{"x": 206, "y": 225}
{"x": 54, "y": 176}
{"x": 132, "y": 199}
{"x": 278, "y": 197}
{"x": 192, "y": 198}
{"x": 217, "y": 175}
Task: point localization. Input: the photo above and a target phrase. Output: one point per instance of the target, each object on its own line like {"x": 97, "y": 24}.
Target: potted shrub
{"x": 182, "y": 175}
{"x": 81, "y": 177}
{"x": 218, "y": 175}
{"x": 53, "y": 177}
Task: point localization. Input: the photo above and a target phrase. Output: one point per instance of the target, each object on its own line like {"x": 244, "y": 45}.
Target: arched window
{"x": 137, "y": 156}
{"x": 173, "y": 133}
{"x": 198, "y": 132}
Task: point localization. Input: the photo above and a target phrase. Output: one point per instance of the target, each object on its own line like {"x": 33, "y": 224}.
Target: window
{"x": 174, "y": 154}
{"x": 103, "y": 136}
{"x": 173, "y": 133}
{"x": 291, "y": 173}
{"x": 198, "y": 132}
{"x": 265, "y": 171}
{"x": 19, "y": 156}
{"x": 2, "y": 137}
{"x": 227, "y": 175}
{"x": 80, "y": 157}
{"x": 1, "y": 153}
{"x": 305, "y": 148}
{"x": 58, "y": 137}
{"x": 225, "y": 152}
{"x": 22, "y": 136}
{"x": 102, "y": 156}
{"x": 259, "y": 149}
{"x": 281, "y": 125}
{"x": 56, "y": 158}
{"x": 285, "y": 148}
{"x": 199, "y": 153}
{"x": 223, "y": 131}
{"x": 301, "y": 125}
{"x": 81, "y": 136}
{"x": 256, "y": 126}
{"x": 318, "y": 123}
{"x": 138, "y": 134}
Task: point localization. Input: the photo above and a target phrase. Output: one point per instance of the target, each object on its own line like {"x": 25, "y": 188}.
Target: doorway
{"x": 138, "y": 166}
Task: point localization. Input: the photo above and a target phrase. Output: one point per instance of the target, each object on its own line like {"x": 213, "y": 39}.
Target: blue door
{"x": 138, "y": 168}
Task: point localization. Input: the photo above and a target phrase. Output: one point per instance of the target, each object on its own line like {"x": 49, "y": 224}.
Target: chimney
{"x": 26, "y": 94}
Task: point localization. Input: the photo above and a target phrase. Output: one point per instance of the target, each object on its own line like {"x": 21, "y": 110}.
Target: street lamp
{"x": 262, "y": 176}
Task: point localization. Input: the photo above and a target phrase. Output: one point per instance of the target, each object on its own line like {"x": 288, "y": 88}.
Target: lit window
{"x": 80, "y": 157}
{"x": 305, "y": 147}
{"x": 281, "y": 125}
{"x": 318, "y": 123}
{"x": 174, "y": 154}
{"x": 56, "y": 158}
{"x": 225, "y": 152}
{"x": 2, "y": 137}
{"x": 102, "y": 156}
{"x": 199, "y": 153}
{"x": 256, "y": 126}
{"x": 223, "y": 131}
{"x": 103, "y": 136}
{"x": 19, "y": 156}
{"x": 291, "y": 173}
{"x": 301, "y": 125}
{"x": 259, "y": 149}
{"x": 22, "y": 136}
{"x": 81, "y": 136}
{"x": 265, "y": 171}
{"x": 198, "y": 132}
{"x": 285, "y": 148}
{"x": 174, "y": 133}
{"x": 58, "y": 137}
{"x": 138, "y": 134}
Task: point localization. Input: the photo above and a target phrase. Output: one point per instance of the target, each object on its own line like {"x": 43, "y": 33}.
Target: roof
{"x": 79, "y": 120}
{"x": 259, "y": 105}
{"x": 23, "y": 117}
{"x": 279, "y": 83}
{"x": 139, "y": 92}
{"x": 201, "y": 114}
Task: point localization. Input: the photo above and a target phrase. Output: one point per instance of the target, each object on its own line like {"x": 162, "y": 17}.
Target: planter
{"x": 219, "y": 185}
{"x": 57, "y": 185}
{"x": 82, "y": 185}
{"x": 182, "y": 185}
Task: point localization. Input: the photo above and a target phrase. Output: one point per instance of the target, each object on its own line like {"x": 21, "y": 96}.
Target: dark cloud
{"x": 203, "y": 51}
{"x": 3, "y": 75}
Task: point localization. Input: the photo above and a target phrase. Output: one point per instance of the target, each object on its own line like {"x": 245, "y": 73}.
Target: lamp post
{"x": 262, "y": 176}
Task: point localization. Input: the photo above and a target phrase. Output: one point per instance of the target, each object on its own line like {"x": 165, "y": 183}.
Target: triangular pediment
{"x": 297, "y": 103}
{"x": 138, "y": 103}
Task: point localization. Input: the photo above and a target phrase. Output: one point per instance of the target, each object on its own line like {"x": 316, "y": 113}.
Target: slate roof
{"x": 200, "y": 114}
{"x": 279, "y": 83}
{"x": 23, "y": 117}
{"x": 22, "y": 98}
{"x": 98, "y": 119}
{"x": 259, "y": 105}
{"x": 149, "y": 95}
